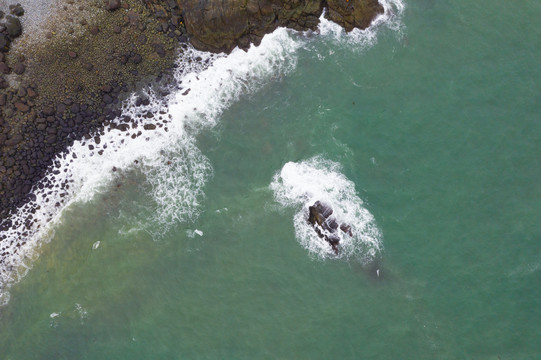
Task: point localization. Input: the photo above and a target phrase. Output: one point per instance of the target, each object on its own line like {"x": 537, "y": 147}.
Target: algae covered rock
{"x": 13, "y": 26}
{"x": 352, "y": 14}
{"x": 220, "y": 26}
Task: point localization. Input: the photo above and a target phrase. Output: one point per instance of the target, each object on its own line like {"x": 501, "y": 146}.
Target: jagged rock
{"x": 325, "y": 224}
{"x": 217, "y": 25}
{"x": 353, "y": 13}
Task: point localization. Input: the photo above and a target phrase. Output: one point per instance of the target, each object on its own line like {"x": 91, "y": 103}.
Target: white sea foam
{"x": 361, "y": 39}
{"x": 173, "y": 167}
{"x": 54, "y": 314}
{"x": 300, "y": 184}
{"x": 82, "y": 312}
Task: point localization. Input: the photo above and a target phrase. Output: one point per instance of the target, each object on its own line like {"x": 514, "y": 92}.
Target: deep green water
{"x": 440, "y": 130}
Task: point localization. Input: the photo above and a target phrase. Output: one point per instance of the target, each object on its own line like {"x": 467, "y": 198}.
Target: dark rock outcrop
{"x": 325, "y": 224}
{"x": 353, "y": 14}
{"x": 112, "y": 5}
{"x": 13, "y": 26}
{"x": 217, "y": 25}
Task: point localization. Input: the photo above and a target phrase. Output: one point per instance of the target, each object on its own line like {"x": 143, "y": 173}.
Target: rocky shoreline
{"x": 69, "y": 85}
{"x": 71, "y": 82}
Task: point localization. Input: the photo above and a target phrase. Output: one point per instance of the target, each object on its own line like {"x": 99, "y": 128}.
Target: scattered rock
{"x": 142, "y": 39}
{"x": 123, "y": 127}
{"x": 21, "y": 107}
{"x": 31, "y": 93}
{"x": 107, "y": 99}
{"x": 4, "y": 68}
{"x": 4, "y": 42}
{"x": 48, "y": 111}
{"x": 160, "y": 50}
{"x": 3, "y": 83}
{"x": 13, "y": 26}
{"x": 106, "y": 88}
{"x": 16, "y": 10}
{"x": 19, "y": 69}
{"x": 136, "y": 59}
{"x": 113, "y": 5}
{"x": 14, "y": 140}
{"x": 72, "y": 54}
{"x": 94, "y": 30}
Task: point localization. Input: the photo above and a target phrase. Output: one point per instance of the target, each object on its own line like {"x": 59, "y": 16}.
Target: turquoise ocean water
{"x": 427, "y": 139}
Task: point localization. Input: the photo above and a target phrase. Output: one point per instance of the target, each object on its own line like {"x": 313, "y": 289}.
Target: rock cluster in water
{"x": 325, "y": 224}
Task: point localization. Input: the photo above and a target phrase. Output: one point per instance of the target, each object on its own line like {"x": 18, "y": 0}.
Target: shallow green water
{"x": 440, "y": 132}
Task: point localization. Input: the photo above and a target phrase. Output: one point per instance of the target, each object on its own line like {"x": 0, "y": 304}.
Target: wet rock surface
{"x": 320, "y": 216}
{"x": 217, "y": 25}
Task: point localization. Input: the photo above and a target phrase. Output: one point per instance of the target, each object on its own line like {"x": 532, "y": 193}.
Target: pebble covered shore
{"x": 65, "y": 66}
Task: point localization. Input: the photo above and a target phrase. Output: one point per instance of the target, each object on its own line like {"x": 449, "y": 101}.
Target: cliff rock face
{"x": 220, "y": 25}
{"x": 353, "y": 13}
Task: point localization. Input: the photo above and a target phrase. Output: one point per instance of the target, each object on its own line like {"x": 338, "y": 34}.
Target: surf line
{"x": 150, "y": 129}
{"x": 206, "y": 84}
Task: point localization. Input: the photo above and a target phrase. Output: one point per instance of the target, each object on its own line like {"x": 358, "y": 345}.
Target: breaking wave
{"x": 157, "y": 137}
{"x": 300, "y": 184}
{"x": 358, "y": 39}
